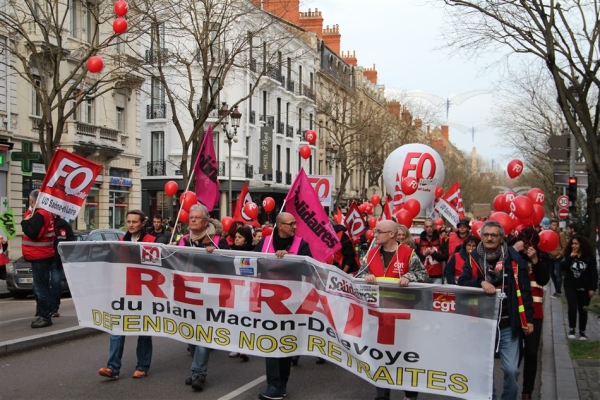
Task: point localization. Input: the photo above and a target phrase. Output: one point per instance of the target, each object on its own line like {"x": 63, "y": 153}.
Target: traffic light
{"x": 572, "y": 190}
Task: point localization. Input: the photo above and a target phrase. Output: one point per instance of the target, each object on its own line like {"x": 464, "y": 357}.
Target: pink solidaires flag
{"x": 314, "y": 225}
{"x": 207, "y": 172}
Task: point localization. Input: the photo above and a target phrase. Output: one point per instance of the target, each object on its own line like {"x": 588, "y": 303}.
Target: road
{"x": 69, "y": 370}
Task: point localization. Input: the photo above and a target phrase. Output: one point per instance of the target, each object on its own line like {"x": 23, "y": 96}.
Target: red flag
{"x": 207, "y": 172}
{"x": 355, "y": 223}
{"x": 450, "y": 205}
{"x": 339, "y": 217}
{"x": 239, "y": 214}
{"x": 398, "y": 199}
{"x": 314, "y": 225}
{"x": 386, "y": 214}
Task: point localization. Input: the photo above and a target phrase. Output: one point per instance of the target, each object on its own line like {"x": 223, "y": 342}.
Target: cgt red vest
{"x": 537, "y": 292}
{"x": 398, "y": 266}
{"x": 433, "y": 267}
{"x": 267, "y": 246}
{"x": 453, "y": 242}
{"x": 459, "y": 264}
{"x": 43, "y": 247}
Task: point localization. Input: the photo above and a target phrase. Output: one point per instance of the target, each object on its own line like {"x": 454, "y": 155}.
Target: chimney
{"x": 445, "y": 132}
{"x": 332, "y": 38}
{"x": 312, "y": 21}
{"x": 418, "y": 123}
{"x": 371, "y": 74}
{"x": 394, "y": 108}
{"x": 286, "y": 9}
{"x": 350, "y": 58}
{"x": 428, "y": 130}
{"x": 406, "y": 116}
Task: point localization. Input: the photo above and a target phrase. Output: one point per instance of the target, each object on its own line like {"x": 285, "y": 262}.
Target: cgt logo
{"x": 444, "y": 302}
{"x": 150, "y": 255}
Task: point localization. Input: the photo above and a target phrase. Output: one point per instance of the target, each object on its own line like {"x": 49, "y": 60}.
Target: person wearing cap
{"x": 457, "y": 238}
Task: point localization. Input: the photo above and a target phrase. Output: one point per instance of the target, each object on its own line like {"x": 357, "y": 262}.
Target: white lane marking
{"x": 242, "y": 389}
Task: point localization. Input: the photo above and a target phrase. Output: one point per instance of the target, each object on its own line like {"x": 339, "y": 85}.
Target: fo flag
{"x": 451, "y": 205}
{"x": 239, "y": 214}
{"x": 313, "y": 224}
{"x": 207, "y": 173}
{"x": 66, "y": 184}
{"x": 355, "y": 223}
{"x": 386, "y": 212}
{"x": 398, "y": 199}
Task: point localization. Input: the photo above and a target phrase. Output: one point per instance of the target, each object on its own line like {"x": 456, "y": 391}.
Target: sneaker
{"x": 272, "y": 393}
{"x": 140, "y": 374}
{"x": 571, "y": 334}
{"x": 234, "y": 355}
{"x": 582, "y": 335}
{"x": 295, "y": 360}
{"x": 555, "y": 295}
{"x": 188, "y": 380}
{"x": 244, "y": 357}
{"x": 55, "y": 314}
{"x": 41, "y": 322}
{"x": 108, "y": 373}
{"x": 283, "y": 391}
{"x": 198, "y": 382}
{"x": 320, "y": 360}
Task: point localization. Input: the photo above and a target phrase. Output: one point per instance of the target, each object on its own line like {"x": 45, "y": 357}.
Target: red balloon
{"x": 515, "y": 222}
{"x": 184, "y": 217}
{"x": 514, "y": 169}
{"x": 171, "y": 188}
{"x": 187, "y": 200}
{"x": 227, "y": 221}
{"x": 536, "y": 196}
{"x": 538, "y": 214}
{"x": 548, "y": 240}
{"x": 305, "y": 152}
{"x": 120, "y": 25}
{"x": 121, "y": 8}
{"x": 268, "y": 204}
{"x": 409, "y": 185}
{"x": 369, "y": 208}
{"x": 522, "y": 207}
{"x": 95, "y": 64}
{"x": 499, "y": 202}
{"x": 337, "y": 219}
{"x": 508, "y": 198}
{"x": 375, "y": 199}
{"x": 504, "y": 219}
{"x": 267, "y": 230}
{"x": 251, "y": 210}
{"x": 439, "y": 191}
{"x": 404, "y": 217}
{"x": 439, "y": 222}
{"x": 413, "y": 206}
{"x": 519, "y": 228}
{"x": 475, "y": 227}
{"x": 362, "y": 208}
{"x": 369, "y": 235}
{"x": 372, "y": 222}
{"x": 311, "y": 137}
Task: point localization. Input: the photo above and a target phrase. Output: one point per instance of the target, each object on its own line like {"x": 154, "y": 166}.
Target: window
{"x": 299, "y": 78}
{"x": 36, "y": 104}
{"x": 87, "y": 111}
{"x": 310, "y": 121}
{"x": 74, "y": 8}
{"x": 89, "y": 22}
{"x": 158, "y": 92}
{"x": 300, "y": 120}
{"x": 279, "y": 112}
{"x": 278, "y": 157}
{"x": 120, "y": 119}
{"x": 158, "y": 36}
{"x": 264, "y": 105}
{"x": 288, "y": 160}
{"x": 158, "y": 146}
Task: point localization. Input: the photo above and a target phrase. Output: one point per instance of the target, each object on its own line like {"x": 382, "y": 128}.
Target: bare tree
{"x": 562, "y": 35}
{"x": 49, "y": 43}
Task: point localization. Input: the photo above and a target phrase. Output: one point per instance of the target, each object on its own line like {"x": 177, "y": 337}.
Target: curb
{"x": 548, "y": 369}
{"x": 565, "y": 381}
{"x": 42, "y": 340}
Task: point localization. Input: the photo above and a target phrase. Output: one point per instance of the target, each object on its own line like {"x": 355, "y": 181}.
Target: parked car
{"x": 19, "y": 278}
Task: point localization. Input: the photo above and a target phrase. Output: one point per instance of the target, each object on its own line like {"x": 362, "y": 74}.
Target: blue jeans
{"x": 278, "y": 372}
{"x": 509, "y": 356}
{"x": 437, "y": 281}
{"x": 556, "y": 274}
{"x": 41, "y": 287}
{"x": 56, "y": 275}
{"x": 199, "y": 360}
{"x": 143, "y": 352}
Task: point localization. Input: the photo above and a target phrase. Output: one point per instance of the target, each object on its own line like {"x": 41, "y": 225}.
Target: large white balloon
{"x": 422, "y": 163}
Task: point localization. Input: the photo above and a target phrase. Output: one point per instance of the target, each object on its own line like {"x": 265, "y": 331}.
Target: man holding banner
{"x": 283, "y": 241}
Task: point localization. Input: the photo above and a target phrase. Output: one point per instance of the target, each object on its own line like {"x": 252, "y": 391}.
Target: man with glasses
{"x": 433, "y": 251}
{"x": 391, "y": 259}
{"x": 495, "y": 266}
{"x": 283, "y": 241}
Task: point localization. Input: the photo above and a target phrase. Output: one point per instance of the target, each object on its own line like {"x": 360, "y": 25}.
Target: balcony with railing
{"x": 273, "y": 72}
{"x": 289, "y": 132}
{"x": 156, "y": 111}
{"x": 153, "y": 55}
{"x": 288, "y": 178}
{"x": 221, "y": 168}
{"x": 268, "y": 119}
{"x": 280, "y": 127}
{"x": 252, "y": 64}
{"x": 249, "y": 171}
{"x": 278, "y": 176}
{"x": 96, "y": 132}
{"x": 267, "y": 177}
{"x": 290, "y": 86}
{"x": 157, "y": 168}
{"x": 253, "y": 117}
{"x": 109, "y": 134}
{"x": 308, "y": 92}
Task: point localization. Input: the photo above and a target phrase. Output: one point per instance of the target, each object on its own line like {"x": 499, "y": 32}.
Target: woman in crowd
{"x": 580, "y": 281}
{"x": 404, "y": 237}
{"x": 455, "y": 264}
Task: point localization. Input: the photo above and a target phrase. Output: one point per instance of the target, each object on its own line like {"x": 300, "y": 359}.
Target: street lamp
{"x": 235, "y": 115}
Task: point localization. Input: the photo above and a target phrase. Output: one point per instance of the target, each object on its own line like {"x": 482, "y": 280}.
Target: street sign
{"x": 563, "y": 214}
{"x": 558, "y": 154}
{"x": 563, "y": 201}
{"x": 559, "y": 141}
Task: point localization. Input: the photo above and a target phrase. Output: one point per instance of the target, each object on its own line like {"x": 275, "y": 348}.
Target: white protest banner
{"x": 67, "y": 184}
{"x": 323, "y": 185}
{"x": 387, "y": 335}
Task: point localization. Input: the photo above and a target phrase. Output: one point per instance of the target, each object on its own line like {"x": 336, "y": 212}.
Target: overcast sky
{"x": 403, "y": 38}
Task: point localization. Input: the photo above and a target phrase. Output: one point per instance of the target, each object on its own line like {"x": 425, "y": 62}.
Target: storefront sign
{"x": 119, "y": 181}
{"x": 266, "y": 150}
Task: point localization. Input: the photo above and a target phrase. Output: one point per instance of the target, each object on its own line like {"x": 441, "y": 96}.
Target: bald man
{"x": 283, "y": 241}
{"x": 392, "y": 260}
